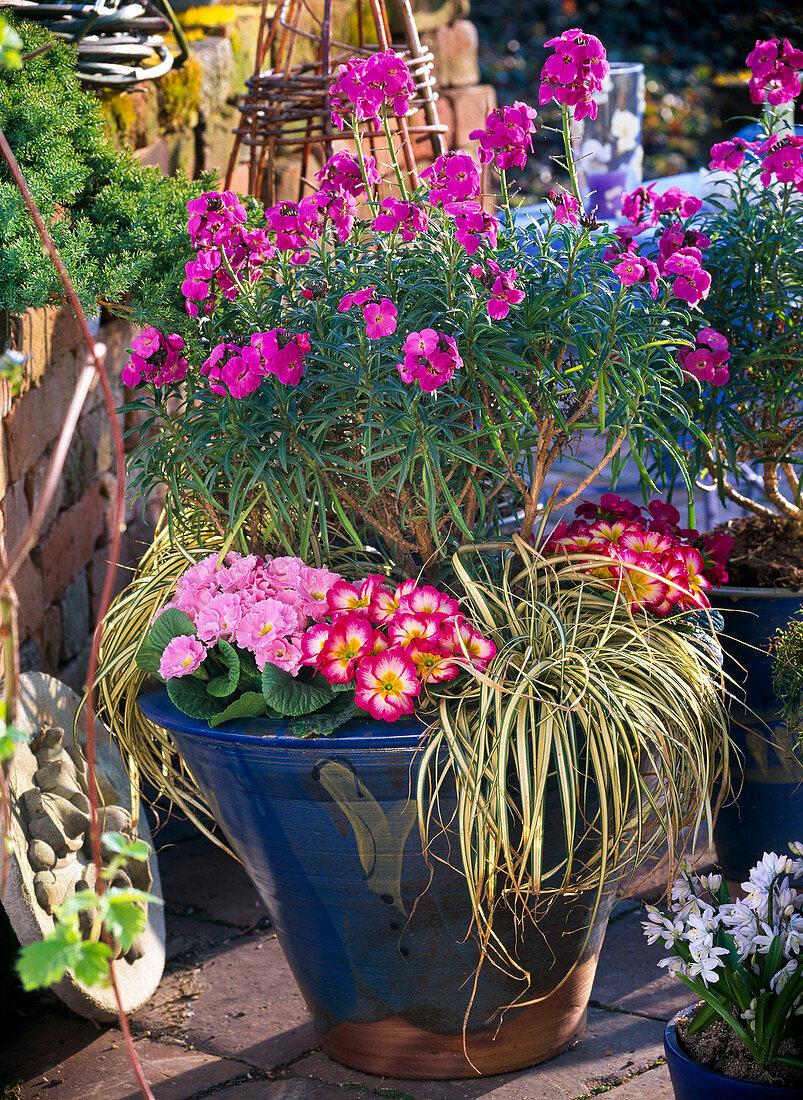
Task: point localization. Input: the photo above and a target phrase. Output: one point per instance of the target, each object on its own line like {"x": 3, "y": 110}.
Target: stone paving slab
{"x": 241, "y": 1000}
{"x": 294, "y": 1089}
{"x": 615, "y": 1047}
{"x": 99, "y": 1069}
{"x": 652, "y": 1085}
{"x": 202, "y": 881}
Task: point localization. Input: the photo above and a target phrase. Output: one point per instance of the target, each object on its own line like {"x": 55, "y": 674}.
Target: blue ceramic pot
{"x": 378, "y": 939}
{"x": 691, "y": 1081}
{"x": 768, "y": 809}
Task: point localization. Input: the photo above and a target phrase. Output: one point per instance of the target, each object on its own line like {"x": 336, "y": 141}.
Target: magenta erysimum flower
{"x": 473, "y": 226}
{"x": 214, "y": 216}
{"x": 692, "y": 283}
{"x": 637, "y": 206}
{"x": 408, "y": 218}
{"x": 181, "y": 656}
{"x": 633, "y": 269}
{"x": 342, "y": 175}
{"x": 431, "y": 358}
{"x": 774, "y": 71}
{"x": 454, "y": 177}
{"x": 707, "y": 360}
{"x": 282, "y": 353}
{"x": 574, "y": 72}
{"x": 506, "y": 139}
{"x": 366, "y": 88}
{"x": 728, "y": 156}
{"x": 380, "y": 319}
{"x": 677, "y": 201}
{"x": 155, "y": 358}
{"x": 500, "y": 286}
{"x": 357, "y": 298}
{"x": 386, "y": 685}
{"x": 566, "y": 206}
{"x": 783, "y": 159}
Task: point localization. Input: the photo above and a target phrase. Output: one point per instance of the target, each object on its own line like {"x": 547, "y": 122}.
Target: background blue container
{"x": 768, "y": 778}
{"x": 379, "y": 940}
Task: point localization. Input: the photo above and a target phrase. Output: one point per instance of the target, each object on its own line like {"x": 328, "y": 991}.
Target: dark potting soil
{"x": 767, "y": 552}
{"x": 718, "y": 1048}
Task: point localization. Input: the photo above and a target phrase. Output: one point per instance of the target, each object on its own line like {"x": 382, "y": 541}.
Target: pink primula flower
{"x": 387, "y": 685}
{"x": 181, "y": 656}
{"x": 268, "y": 618}
{"x": 433, "y": 663}
{"x": 407, "y": 628}
{"x": 349, "y": 639}
{"x": 219, "y": 618}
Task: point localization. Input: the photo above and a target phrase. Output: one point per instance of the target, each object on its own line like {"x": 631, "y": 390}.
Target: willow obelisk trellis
{"x": 286, "y": 107}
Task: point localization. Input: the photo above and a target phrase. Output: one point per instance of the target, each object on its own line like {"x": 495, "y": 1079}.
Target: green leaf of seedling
{"x": 128, "y": 849}
{"x": 251, "y": 704}
{"x": 123, "y": 913}
{"x": 291, "y": 696}
{"x": 10, "y": 738}
{"x": 191, "y": 697}
{"x": 170, "y": 624}
{"x": 45, "y": 962}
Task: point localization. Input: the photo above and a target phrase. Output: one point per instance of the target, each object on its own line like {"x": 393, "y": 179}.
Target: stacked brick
{"x": 59, "y": 585}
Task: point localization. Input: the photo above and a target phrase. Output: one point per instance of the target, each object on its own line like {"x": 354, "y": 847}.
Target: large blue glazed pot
{"x": 692, "y": 1081}
{"x": 768, "y": 808}
{"x": 379, "y": 939}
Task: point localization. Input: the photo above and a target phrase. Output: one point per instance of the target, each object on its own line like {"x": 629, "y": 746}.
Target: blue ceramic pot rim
{"x": 156, "y": 706}
{"x": 755, "y": 593}
{"x": 766, "y": 1092}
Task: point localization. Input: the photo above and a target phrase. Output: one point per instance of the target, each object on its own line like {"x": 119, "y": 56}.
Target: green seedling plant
{"x": 117, "y": 915}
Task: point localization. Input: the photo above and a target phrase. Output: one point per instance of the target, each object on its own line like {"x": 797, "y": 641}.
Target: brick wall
{"x": 59, "y": 585}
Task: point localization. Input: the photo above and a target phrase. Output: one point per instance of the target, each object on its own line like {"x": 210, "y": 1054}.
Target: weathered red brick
{"x": 49, "y": 638}
{"x": 34, "y": 483}
{"x": 31, "y": 602}
{"x": 71, "y": 542}
{"x": 15, "y": 514}
{"x": 456, "y": 48}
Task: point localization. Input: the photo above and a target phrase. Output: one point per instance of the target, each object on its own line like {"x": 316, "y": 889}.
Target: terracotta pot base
{"x": 395, "y": 1048}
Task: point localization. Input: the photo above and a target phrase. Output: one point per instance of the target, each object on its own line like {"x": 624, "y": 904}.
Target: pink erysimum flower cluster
{"x": 298, "y": 225}
{"x": 775, "y": 68}
{"x": 729, "y": 156}
{"x": 655, "y": 564}
{"x": 707, "y": 360}
{"x": 390, "y": 643}
{"x": 473, "y": 227}
{"x": 261, "y": 605}
{"x": 507, "y": 137}
{"x": 643, "y": 207}
{"x": 632, "y": 268}
{"x": 500, "y": 286}
{"x": 574, "y": 72}
{"x": 228, "y": 253}
{"x": 342, "y": 175}
{"x": 155, "y": 358}
{"x": 783, "y": 159}
{"x": 567, "y": 207}
{"x": 453, "y": 178}
{"x": 239, "y": 370}
{"x": 430, "y": 359}
{"x": 408, "y": 218}
{"x": 380, "y": 314}
{"x": 367, "y": 88}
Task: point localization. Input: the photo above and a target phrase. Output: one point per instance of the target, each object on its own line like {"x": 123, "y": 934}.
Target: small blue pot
{"x": 768, "y": 809}
{"x": 691, "y": 1081}
{"x": 380, "y": 939}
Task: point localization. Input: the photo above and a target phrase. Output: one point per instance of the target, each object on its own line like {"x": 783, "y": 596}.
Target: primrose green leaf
{"x": 251, "y": 704}
{"x": 293, "y": 696}
{"x": 191, "y": 697}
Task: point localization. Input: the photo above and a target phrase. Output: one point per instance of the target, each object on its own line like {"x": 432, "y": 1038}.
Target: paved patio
{"x": 228, "y": 1022}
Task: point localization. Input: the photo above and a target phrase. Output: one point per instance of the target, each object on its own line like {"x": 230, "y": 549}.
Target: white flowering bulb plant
{"x": 741, "y": 957}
